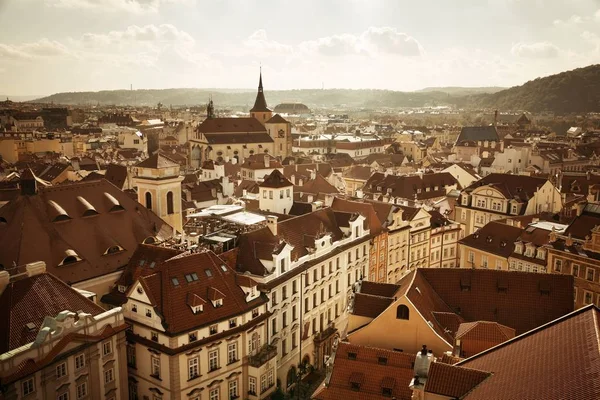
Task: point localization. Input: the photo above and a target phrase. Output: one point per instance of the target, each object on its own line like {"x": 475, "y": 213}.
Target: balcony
{"x": 266, "y": 353}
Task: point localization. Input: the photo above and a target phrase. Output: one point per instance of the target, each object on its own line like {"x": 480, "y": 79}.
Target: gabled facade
{"x": 499, "y": 196}
{"x": 198, "y": 331}
{"x": 308, "y": 266}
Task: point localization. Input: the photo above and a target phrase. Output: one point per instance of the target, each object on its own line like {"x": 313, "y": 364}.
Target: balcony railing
{"x": 266, "y": 353}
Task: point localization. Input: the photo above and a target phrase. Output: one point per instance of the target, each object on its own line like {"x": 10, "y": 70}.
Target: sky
{"x": 49, "y": 46}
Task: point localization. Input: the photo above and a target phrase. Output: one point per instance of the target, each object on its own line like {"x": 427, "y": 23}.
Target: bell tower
{"x": 159, "y": 188}
{"x": 260, "y": 111}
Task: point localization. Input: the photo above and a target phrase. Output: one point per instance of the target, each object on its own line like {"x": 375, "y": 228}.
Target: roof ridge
{"x": 532, "y": 331}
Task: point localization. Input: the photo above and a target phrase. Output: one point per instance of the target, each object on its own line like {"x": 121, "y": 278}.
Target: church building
{"x": 235, "y": 139}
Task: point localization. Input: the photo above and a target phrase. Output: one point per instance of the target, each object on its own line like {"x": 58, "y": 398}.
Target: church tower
{"x": 260, "y": 111}
{"x": 159, "y": 188}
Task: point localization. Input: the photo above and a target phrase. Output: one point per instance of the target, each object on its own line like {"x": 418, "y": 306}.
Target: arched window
{"x": 291, "y": 376}
{"x": 402, "y": 312}
{"x": 148, "y": 200}
{"x": 170, "y": 203}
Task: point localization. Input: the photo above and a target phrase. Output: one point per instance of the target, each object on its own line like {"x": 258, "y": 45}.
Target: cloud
{"x": 27, "y": 51}
{"x": 259, "y": 42}
{"x": 373, "y": 41}
{"x": 130, "y": 6}
{"x": 147, "y": 34}
{"x": 535, "y": 50}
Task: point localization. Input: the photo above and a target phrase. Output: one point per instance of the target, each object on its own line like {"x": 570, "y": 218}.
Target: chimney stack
{"x": 35, "y": 268}
{"x": 267, "y": 161}
{"x": 272, "y": 224}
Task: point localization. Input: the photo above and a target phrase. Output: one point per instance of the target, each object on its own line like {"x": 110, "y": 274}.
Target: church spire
{"x": 260, "y": 104}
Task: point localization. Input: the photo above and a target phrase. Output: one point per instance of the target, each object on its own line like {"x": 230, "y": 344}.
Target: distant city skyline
{"x": 90, "y": 45}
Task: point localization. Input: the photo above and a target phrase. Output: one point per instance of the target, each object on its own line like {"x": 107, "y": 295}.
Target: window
{"x": 588, "y": 298}
{"x": 264, "y": 194}
{"x": 471, "y": 256}
{"x": 233, "y": 390}
{"x": 63, "y": 396}
{"x": 274, "y": 299}
{"x": 252, "y": 385}
{"x": 484, "y": 261}
{"x": 557, "y": 265}
{"x": 283, "y": 347}
{"x": 155, "y": 366}
{"x": 134, "y": 308}
{"x": 192, "y": 336}
{"x": 61, "y": 370}
{"x": 213, "y": 360}
{"x": 575, "y": 269}
{"x": 213, "y": 394}
{"x": 270, "y": 195}
{"x": 148, "y": 200}
{"x": 109, "y": 375}
{"x": 106, "y": 348}
{"x": 498, "y": 264}
{"x": 82, "y": 390}
{"x": 232, "y": 323}
{"x": 294, "y": 286}
{"x": 79, "y": 361}
{"x": 306, "y": 304}
{"x": 263, "y": 383}
{"x": 402, "y": 312}
{"x": 232, "y": 353}
{"x": 131, "y": 356}
{"x": 274, "y": 326}
{"x": 148, "y": 313}
{"x": 213, "y": 329}
{"x": 590, "y": 274}
{"x": 28, "y": 386}
{"x": 270, "y": 378}
{"x": 284, "y": 292}
{"x": 193, "y": 368}
{"x": 154, "y": 336}
{"x": 170, "y": 208}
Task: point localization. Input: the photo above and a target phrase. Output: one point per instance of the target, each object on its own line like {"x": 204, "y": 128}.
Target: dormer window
{"x": 122, "y": 288}
{"x": 113, "y": 249}
{"x": 519, "y": 248}
{"x": 197, "y": 309}
{"x": 213, "y": 329}
{"x": 541, "y": 254}
{"x": 218, "y": 303}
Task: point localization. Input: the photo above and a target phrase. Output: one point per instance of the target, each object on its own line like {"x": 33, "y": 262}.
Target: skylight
{"x": 208, "y": 272}
{"x": 175, "y": 281}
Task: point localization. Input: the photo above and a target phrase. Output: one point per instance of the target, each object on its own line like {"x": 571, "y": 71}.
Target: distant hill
{"x": 361, "y": 98}
{"x": 462, "y": 91}
{"x": 576, "y": 91}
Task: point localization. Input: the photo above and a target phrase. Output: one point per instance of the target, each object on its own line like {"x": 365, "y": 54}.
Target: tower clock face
{"x": 281, "y": 133}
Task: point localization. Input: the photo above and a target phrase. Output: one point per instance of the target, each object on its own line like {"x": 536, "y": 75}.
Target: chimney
{"x": 4, "y": 280}
{"x": 272, "y": 224}
{"x": 313, "y": 174}
{"x": 28, "y": 183}
{"x": 35, "y": 268}
{"x": 267, "y": 161}
{"x": 423, "y": 362}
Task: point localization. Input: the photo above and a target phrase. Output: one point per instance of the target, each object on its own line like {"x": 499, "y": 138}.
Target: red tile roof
{"x": 231, "y": 125}
{"x": 31, "y": 300}
{"x": 479, "y": 336}
{"x": 158, "y": 160}
{"x": 275, "y": 180}
{"x": 30, "y": 233}
{"x": 365, "y": 209}
{"x": 368, "y": 370}
{"x": 560, "y": 360}
{"x": 172, "y": 301}
{"x": 452, "y": 381}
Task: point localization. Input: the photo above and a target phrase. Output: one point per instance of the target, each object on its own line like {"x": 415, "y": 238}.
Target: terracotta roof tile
{"x": 366, "y": 305}
{"x": 158, "y": 160}
{"x": 452, "y": 381}
{"x": 31, "y": 300}
{"x": 231, "y": 125}
{"x": 560, "y": 360}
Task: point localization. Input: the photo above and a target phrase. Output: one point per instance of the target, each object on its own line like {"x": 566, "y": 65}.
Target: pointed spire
{"x": 260, "y": 104}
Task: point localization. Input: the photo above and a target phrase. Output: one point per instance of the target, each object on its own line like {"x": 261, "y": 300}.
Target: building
{"x": 480, "y": 141}
{"x": 159, "y": 188}
{"x": 130, "y": 138}
{"x": 490, "y": 247}
{"x": 84, "y": 232}
{"x": 276, "y": 194}
{"x": 575, "y": 251}
{"x": 258, "y": 166}
{"x": 198, "y": 331}
{"x": 378, "y": 249}
{"x": 260, "y": 110}
{"x": 365, "y": 372}
{"x": 355, "y": 178}
{"x": 308, "y": 266}
{"x": 394, "y": 188}
{"x": 499, "y": 196}
{"x": 280, "y": 131}
{"x": 430, "y": 305}
{"x": 56, "y": 343}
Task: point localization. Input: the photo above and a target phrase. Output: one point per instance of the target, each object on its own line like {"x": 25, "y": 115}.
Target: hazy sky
{"x": 48, "y": 46}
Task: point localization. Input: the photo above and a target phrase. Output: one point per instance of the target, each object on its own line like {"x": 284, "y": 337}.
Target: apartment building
{"x": 499, "y": 196}
{"x": 308, "y": 266}
{"x": 198, "y": 331}
{"x": 56, "y": 343}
